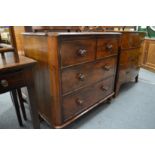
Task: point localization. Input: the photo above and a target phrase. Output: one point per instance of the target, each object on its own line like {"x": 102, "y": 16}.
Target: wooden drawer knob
{"x": 104, "y": 88}
{"x": 79, "y": 102}
{"x": 81, "y": 76}
{"x": 107, "y": 67}
{"x": 82, "y": 52}
{"x": 4, "y": 83}
{"x": 109, "y": 47}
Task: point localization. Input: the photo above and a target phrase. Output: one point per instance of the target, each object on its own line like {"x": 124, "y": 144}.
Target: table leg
{"x": 21, "y": 103}
{"x": 3, "y": 58}
{"x": 16, "y": 104}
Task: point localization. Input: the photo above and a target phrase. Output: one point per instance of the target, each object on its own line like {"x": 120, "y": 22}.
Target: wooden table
{"x": 14, "y": 75}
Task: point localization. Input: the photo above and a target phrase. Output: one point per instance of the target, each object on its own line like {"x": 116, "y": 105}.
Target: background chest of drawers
{"x": 75, "y": 72}
{"x": 129, "y": 58}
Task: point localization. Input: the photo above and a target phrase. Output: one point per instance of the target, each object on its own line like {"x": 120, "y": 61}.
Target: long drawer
{"x": 79, "y": 101}
{"x": 75, "y": 77}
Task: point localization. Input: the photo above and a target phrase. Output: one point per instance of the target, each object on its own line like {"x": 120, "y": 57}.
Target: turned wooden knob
{"x": 109, "y": 47}
{"x": 79, "y": 102}
{"x": 104, "y": 88}
{"x": 4, "y": 83}
{"x": 81, "y": 77}
{"x": 107, "y": 67}
{"x": 82, "y": 52}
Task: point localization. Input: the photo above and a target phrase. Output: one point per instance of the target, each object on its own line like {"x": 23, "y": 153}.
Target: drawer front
{"x": 11, "y": 80}
{"x": 106, "y": 47}
{"x": 131, "y": 40}
{"x": 129, "y": 56}
{"x": 81, "y": 100}
{"x": 77, "y": 51}
{"x": 80, "y": 76}
{"x": 128, "y": 73}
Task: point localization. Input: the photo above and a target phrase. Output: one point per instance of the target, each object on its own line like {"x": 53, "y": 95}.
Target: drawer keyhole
{"x": 4, "y": 83}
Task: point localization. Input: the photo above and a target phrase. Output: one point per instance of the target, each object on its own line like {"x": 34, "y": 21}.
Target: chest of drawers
{"x": 128, "y": 64}
{"x": 75, "y": 72}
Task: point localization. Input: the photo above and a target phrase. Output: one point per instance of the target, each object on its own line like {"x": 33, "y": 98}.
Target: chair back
{"x": 7, "y": 48}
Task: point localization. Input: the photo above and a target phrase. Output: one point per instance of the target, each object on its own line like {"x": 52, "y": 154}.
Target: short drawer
{"x": 131, "y": 40}
{"x": 107, "y": 47}
{"x": 81, "y": 100}
{"x": 83, "y": 75}
{"x": 129, "y": 56}
{"x": 11, "y": 80}
{"x": 77, "y": 51}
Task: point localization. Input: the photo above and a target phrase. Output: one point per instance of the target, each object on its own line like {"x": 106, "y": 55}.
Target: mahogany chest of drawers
{"x": 128, "y": 63}
{"x": 75, "y": 72}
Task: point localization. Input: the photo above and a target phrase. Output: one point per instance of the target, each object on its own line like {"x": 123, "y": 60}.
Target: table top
{"x": 79, "y": 33}
{"x": 9, "y": 63}
{"x": 69, "y": 33}
{"x": 5, "y": 47}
